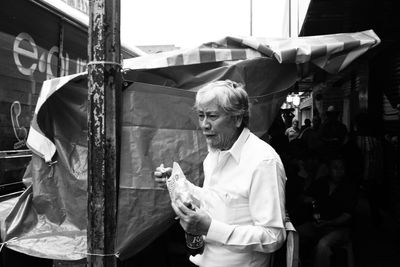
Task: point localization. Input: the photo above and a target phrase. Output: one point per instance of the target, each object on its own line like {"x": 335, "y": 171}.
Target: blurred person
{"x": 370, "y": 148}
{"x": 333, "y": 132}
{"x": 293, "y": 132}
{"x": 243, "y": 215}
{"x": 333, "y": 199}
{"x": 311, "y": 136}
{"x": 276, "y": 136}
{"x": 303, "y": 170}
{"x": 287, "y": 115}
{"x": 306, "y": 125}
{"x": 300, "y": 178}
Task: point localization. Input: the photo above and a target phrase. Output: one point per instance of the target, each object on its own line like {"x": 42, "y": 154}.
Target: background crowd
{"x": 329, "y": 168}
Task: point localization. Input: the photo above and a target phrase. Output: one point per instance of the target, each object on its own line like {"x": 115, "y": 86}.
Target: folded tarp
{"x": 158, "y": 126}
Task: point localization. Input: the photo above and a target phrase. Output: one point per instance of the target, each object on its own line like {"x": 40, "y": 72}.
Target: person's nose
{"x": 205, "y": 124}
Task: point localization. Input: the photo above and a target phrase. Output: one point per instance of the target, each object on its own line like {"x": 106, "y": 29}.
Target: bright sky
{"x": 187, "y": 23}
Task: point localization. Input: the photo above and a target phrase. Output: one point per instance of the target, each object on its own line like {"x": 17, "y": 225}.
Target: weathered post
{"x": 104, "y": 81}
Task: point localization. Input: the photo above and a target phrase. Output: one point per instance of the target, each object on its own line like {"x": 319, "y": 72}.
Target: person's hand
{"x": 161, "y": 175}
{"x": 195, "y": 222}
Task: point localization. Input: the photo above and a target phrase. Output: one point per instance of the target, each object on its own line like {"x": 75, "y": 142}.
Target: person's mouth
{"x": 209, "y": 135}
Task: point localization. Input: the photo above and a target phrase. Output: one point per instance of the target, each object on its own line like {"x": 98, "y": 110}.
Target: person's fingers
{"x": 184, "y": 208}
{"x": 177, "y": 210}
{"x": 161, "y": 171}
{"x": 161, "y": 185}
{"x": 160, "y": 180}
{"x": 158, "y": 174}
{"x": 167, "y": 171}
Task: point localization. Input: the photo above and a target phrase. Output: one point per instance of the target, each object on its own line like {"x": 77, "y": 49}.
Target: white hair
{"x": 230, "y": 96}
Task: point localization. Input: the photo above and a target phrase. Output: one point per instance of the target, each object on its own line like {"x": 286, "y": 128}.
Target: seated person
{"x": 333, "y": 198}
{"x": 303, "y": 170}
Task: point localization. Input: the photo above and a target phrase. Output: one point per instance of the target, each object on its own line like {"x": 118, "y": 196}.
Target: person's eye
{"x": 213, "y": 117}
{"x": 200, "y": 116}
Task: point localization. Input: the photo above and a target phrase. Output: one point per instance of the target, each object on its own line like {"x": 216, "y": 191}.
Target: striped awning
{"x": 330, "y": 52}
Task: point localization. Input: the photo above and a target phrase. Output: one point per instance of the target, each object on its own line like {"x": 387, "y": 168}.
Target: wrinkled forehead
{"x": 210, "y": 106}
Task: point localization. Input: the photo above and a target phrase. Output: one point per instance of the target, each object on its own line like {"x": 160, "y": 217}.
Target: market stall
{"x": 158, "y": 126}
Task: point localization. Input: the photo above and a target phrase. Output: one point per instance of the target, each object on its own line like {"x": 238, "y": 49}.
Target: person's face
{"x": 295, "y": 124}
{"x": 220, "y": 129}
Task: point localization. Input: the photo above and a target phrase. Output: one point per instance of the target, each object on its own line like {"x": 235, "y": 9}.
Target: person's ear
{"x": 238, "y": 121}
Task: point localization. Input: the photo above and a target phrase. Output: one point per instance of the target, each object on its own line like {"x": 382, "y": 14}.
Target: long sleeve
{"x": 265, "y": 232}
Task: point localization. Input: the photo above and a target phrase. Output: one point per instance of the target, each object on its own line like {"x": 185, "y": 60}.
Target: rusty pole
{"x": 104, "y": 81}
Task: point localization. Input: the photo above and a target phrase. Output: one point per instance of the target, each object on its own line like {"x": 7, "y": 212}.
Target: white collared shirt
{"x": 244, "y": 193}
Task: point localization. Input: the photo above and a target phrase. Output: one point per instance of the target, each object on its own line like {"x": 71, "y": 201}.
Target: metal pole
{"x": 298, "y": 18}
{"x": 290, "y": 18}
{"x": 104, "y": 81}
{"x": 251, "y": 17}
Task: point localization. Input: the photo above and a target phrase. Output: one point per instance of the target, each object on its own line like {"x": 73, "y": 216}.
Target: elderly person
{"x": 242, "y": 219}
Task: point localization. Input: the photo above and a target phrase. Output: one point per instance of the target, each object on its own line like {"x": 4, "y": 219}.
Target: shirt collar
{"x": 236, "y": 149}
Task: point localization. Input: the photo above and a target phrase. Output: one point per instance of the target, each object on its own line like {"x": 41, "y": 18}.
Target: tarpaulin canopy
{"x": 158, "y": 126}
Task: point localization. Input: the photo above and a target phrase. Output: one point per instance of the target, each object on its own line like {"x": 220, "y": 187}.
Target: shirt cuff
{"x": 219, "y": 231}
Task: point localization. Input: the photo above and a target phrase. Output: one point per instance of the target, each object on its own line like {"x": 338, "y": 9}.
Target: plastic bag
{"x": 180, "y": 188}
